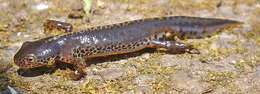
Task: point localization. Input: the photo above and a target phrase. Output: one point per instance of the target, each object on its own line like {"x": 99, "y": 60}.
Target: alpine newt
{"x": 126, "y": 37}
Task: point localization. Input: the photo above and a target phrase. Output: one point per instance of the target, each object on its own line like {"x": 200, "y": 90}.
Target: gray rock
{"x": 226, "y": 11}
{"x": 113, "y": 73}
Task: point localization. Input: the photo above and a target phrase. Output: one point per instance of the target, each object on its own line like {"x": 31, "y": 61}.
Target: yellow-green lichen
{"x": 219, "y": 78}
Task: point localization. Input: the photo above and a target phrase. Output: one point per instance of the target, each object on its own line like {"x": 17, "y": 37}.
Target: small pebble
{"x": 110, "y": 74}
{"x": 40, "y": 6}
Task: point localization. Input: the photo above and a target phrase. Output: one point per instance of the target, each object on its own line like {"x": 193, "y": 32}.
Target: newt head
{"x": 35, "y": 54}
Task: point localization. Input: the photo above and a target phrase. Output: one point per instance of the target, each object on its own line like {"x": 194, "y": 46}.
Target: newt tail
{"x": 126, "y": 37}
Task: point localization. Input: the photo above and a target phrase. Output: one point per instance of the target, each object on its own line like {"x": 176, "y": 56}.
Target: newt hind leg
{"x": 175, "y": 47}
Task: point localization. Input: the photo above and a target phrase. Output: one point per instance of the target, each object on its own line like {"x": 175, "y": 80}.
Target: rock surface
{"x": 229, "y": 62}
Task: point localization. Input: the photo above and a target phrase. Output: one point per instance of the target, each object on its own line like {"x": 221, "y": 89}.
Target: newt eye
{"x": 30, "y": 59}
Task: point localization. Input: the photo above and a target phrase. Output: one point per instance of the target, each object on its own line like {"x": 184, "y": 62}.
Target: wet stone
{"x": 40, "y": 6}
{"x": 143, "y": 90}
{"x": 129, "y": 92}
{"x": 110, "y": 74}
{"x": 220, "y": 43}
{"x": 76, "y": 5}
{"x": 143, "y": 80}
{"x": 256, "y": 75}
{"x": 183, "y": 80}
{"x": 258, "y": 67}
{"x": 226, "y": 11}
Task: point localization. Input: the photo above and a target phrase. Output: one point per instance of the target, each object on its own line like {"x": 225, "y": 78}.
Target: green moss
{"x": 131, "y": 74}
{"x": 248, "y": 2}
{"x": 256, "y": 11}
{"x": 17, "y": 82}
{"x": 89, "y": 87}
{"x": 155, "y": 69}
{"x": 111, "y": 86}
{"x": 160, "y": 85}
{"x": 251, "y": 62}
{"x": 219, "y": 78}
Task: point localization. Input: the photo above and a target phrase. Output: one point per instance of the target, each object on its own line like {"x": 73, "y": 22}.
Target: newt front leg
{"x": 78, "y": 63}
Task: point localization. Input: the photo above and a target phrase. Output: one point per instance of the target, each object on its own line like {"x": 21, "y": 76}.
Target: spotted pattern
{"x": 79, "y": 52}
{"x": 115, "y": 47}
{"x": 29, "y": 62}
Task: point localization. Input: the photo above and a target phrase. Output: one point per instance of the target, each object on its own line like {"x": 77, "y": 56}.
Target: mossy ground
{"x": 229, "y": 62}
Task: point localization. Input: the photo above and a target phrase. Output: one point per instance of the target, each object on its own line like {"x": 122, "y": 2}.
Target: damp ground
{"x": 229, "y": 62}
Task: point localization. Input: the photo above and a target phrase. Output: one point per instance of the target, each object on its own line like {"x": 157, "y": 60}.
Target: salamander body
{"x": 118, "y": 39}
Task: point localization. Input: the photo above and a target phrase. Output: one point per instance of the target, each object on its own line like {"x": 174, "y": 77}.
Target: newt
{"x": 131, "y": 36}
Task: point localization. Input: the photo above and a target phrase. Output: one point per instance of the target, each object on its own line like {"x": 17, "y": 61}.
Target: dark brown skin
{"x": 132, "y": 36}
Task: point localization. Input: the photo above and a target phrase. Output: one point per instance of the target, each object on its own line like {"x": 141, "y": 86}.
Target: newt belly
{"x": 126, "y": 37}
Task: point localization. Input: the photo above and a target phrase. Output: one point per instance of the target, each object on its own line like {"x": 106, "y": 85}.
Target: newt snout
{"x": 35, "y": 54}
